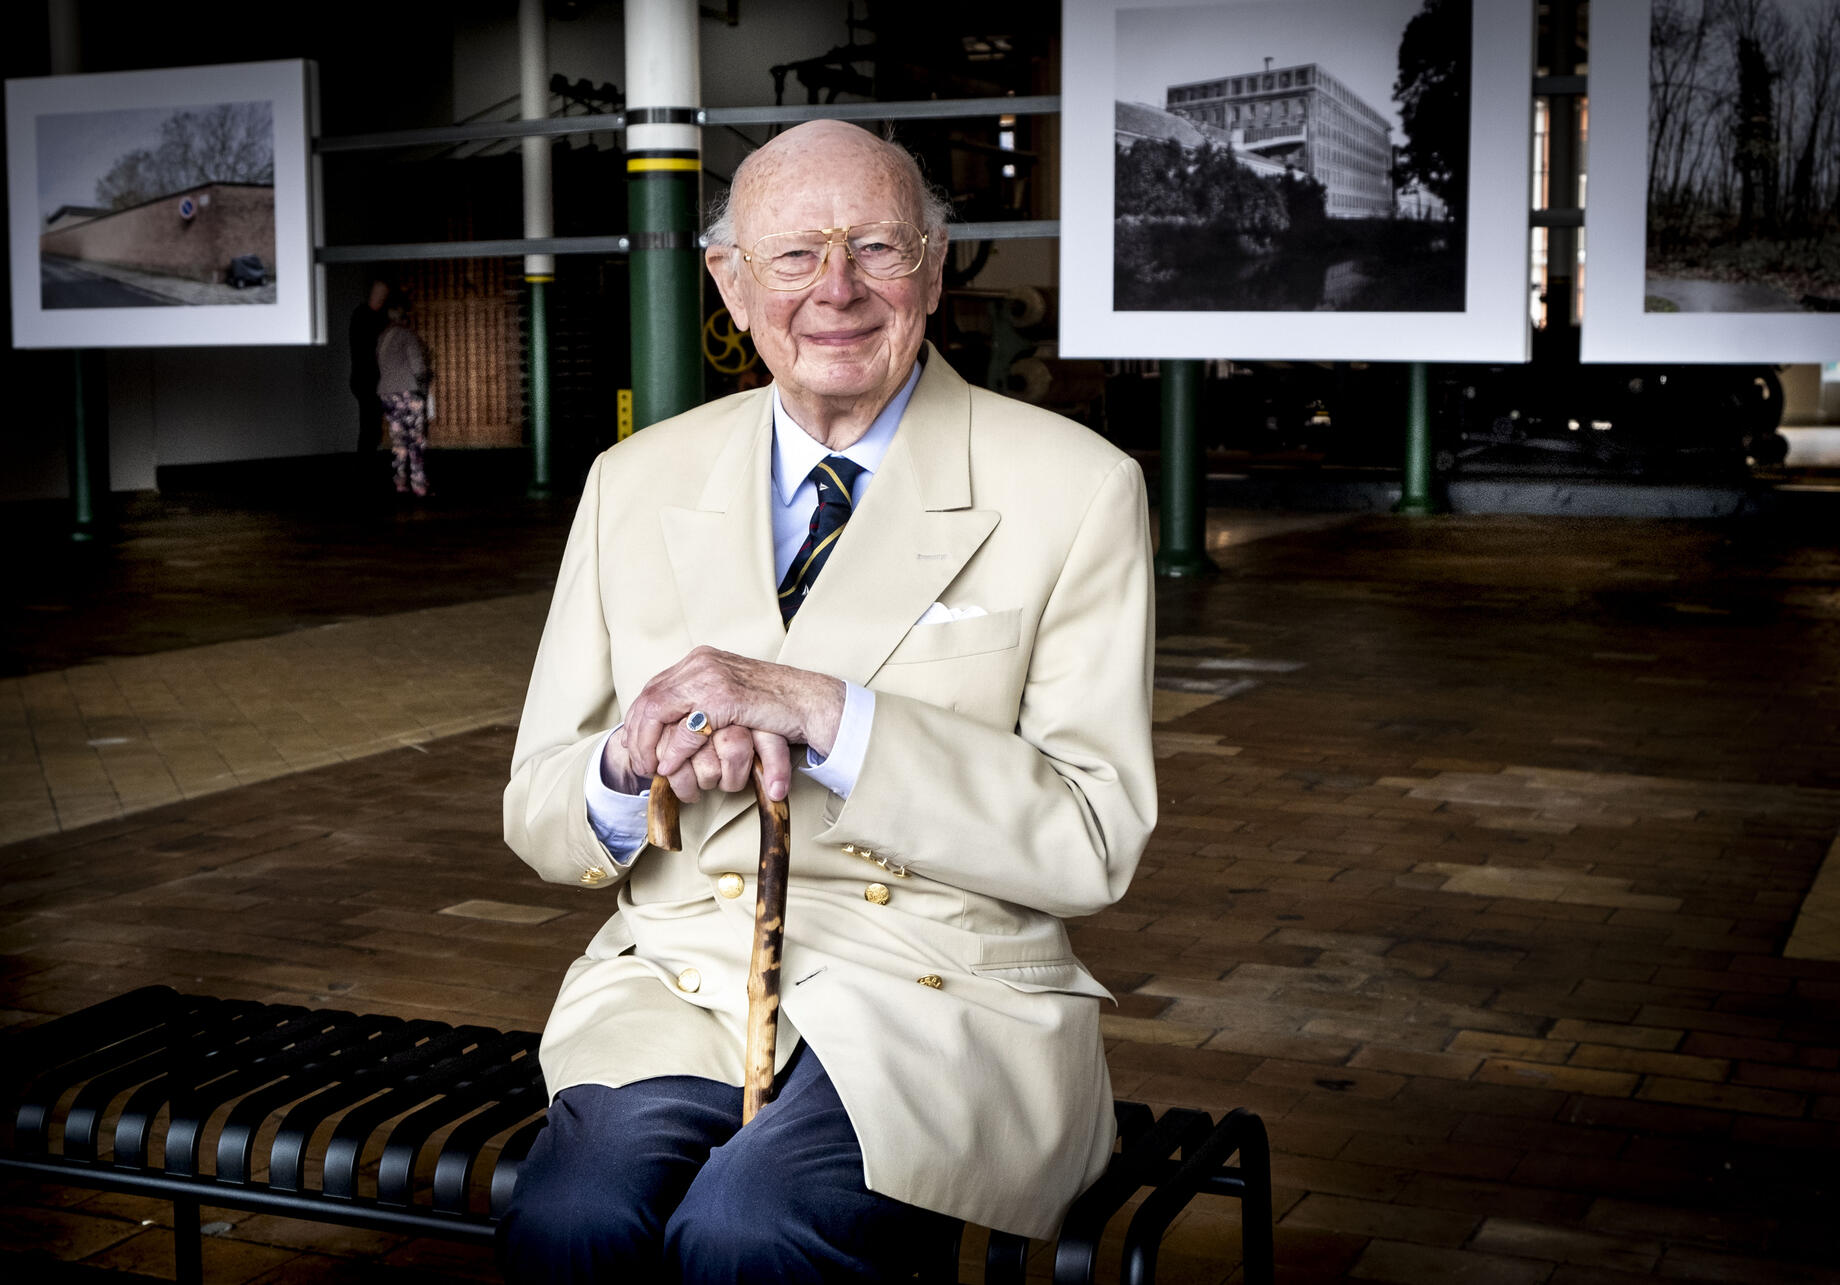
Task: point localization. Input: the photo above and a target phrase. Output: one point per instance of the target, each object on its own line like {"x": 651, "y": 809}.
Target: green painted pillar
{"x": 666, "y": 275}
{"x": 1182, "y": 511}
{"x": 1415, "y": 487}
{"x": 65, "y": 29}
{"x": 82, "y": 476}
{"x": 664, "y": 170}
{"x": 539, "y": 387}
{"x": 539, "y": 223}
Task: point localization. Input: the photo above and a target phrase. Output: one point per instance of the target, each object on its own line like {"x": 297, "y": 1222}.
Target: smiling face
{"x": 842, "y": 347}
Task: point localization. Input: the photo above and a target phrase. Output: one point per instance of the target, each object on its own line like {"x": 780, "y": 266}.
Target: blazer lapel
{"x": 912, "y": 534}
{"x": 721, "y": 551}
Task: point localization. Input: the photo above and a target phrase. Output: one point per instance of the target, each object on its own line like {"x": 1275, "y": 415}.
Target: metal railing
{"x": 619, "y": 244}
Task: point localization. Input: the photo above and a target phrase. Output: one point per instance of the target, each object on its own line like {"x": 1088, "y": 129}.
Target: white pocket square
{"x": 939, "y": 614}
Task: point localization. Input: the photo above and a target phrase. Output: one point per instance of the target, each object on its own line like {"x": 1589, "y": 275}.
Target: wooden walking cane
{"x": 661, "y": 830}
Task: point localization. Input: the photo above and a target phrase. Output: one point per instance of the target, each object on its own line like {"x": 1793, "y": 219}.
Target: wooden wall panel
{"x": 466, "y": 311}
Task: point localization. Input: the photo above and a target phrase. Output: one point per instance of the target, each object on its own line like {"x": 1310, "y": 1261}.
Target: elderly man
{"x": 958, "y": 709}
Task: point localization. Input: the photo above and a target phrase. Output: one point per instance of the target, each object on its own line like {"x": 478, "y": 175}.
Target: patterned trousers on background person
{"x": 408, "y": 416}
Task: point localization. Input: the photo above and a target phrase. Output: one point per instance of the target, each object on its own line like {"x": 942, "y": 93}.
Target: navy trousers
{"x": 657, "y": 1181}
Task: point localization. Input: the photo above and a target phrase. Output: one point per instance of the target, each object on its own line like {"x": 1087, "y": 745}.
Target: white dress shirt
{"x": 619, "y": 819}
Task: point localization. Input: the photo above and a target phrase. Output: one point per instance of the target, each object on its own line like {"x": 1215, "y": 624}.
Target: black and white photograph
{"x": 157, "y": 207}
{"x": 1300, "y": 156}
{"x": 164, "y": 208}
{"x": 1743, "y": 156}
{"x": 1326, "y": 179}
{"x": 1712, "y": 222}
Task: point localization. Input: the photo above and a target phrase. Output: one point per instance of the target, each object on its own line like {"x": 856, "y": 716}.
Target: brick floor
{"x": 1482, "y": 841}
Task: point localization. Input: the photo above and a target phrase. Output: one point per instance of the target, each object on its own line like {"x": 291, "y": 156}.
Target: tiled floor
{"x": 102, "y": 740}
{"x": 1482, "y": 844}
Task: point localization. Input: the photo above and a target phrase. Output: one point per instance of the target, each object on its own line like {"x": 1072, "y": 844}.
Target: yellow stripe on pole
{"x": 642, "y": 164}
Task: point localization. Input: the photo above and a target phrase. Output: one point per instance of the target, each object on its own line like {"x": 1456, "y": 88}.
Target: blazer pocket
{"x": 1063, "y": 975}
{"x": 997, "y": 631}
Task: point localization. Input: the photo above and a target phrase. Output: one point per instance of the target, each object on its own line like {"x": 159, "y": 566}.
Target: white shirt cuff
{"x": 837, "y": 771}
{"x": 618, "y": 819}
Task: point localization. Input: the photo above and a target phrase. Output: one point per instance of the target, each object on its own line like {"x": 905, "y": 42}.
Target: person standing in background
{"x": 367, "y": 322}
{"x": 403, "y": 379}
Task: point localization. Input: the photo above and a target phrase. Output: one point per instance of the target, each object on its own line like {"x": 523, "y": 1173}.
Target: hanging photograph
{"x": 1328, "y": 179}
{"x": 162, "y": 208}
{"x": 1713, "y": 221}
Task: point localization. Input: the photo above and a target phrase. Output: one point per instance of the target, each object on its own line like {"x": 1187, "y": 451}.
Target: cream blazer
{"x": 1008, "y": 783}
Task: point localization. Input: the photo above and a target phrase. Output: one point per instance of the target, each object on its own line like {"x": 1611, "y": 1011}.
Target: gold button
{"x": 593, "y": 875}
{"x": 933, "y": 980}
{"x": 850, "y": 848}
{"x": 731, "y": 885}
{"x": 876, "y": 893}
{"x": 689, "y": 980}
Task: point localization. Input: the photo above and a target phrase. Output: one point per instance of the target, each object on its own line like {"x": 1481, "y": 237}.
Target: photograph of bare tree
{"x": 157, "y": 206}
{"x": 1743, "y": 156}
{"x": 1712, "y": 217}
{"x": 1305, "y": 156}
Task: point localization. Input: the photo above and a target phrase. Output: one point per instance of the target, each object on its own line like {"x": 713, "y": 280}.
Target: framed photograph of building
{"x": 1310, "y": 179}
{"x": 164, "y": 208}
{"x": 1712, "y": 219}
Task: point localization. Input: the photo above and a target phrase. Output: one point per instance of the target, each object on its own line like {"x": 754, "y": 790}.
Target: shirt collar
{"x": 796, "y": 452}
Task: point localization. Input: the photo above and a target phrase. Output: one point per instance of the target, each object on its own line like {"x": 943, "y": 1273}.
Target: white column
{"x": 533, "y": 94}
{"x": 662, "y": 71}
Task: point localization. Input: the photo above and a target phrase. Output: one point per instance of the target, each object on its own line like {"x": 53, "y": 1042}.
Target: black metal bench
{"x": 242, "y": 1105}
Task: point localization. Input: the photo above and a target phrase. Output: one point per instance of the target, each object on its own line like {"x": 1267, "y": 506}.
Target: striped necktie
{"x": 836, "y": 480}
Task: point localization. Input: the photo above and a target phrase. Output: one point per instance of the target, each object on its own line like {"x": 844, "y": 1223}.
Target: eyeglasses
{"x": 886, "y": 251}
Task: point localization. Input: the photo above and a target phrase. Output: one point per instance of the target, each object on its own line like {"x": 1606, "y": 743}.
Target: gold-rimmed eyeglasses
{"x": 887, "y": 251}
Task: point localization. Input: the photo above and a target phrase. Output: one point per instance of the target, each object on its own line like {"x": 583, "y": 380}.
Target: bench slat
{"x": 414, "y": 1076}
{"x": 287, "y": 1155}
{"x": 309, "y": 1066}
{"x": 206, "y": 1076}
{"x": 479, "y": 1077}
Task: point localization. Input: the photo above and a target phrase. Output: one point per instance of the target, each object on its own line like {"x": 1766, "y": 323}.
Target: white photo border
{"x": 1494, "y": 324}
{"x": 298, "y": 314}
{"x": 1616, "y": 326}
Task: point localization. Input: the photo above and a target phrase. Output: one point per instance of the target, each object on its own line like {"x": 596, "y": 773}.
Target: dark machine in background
{"x": 1555, "y": 415}
{"x": 1547, "y": 418}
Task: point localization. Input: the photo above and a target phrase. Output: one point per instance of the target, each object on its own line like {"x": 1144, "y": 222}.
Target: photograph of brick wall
{"x": 157, "y": 206}
{"x": 225, "y": 220}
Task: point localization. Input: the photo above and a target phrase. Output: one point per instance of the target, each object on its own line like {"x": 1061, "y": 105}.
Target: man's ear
{"x": 724, "y": 264}
{"x": 936, "y": 250}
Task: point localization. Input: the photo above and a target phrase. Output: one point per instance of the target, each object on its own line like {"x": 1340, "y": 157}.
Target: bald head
{"x": 840, "y": 345}
{"x": 811, "y": 154}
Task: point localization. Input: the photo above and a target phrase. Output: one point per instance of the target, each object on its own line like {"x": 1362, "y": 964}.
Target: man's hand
{"x": 722, "y": 760}
{"x": 756, "y": 707}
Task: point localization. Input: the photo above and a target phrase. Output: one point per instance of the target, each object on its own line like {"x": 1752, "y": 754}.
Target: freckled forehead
{"x": 822, "y": 184}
